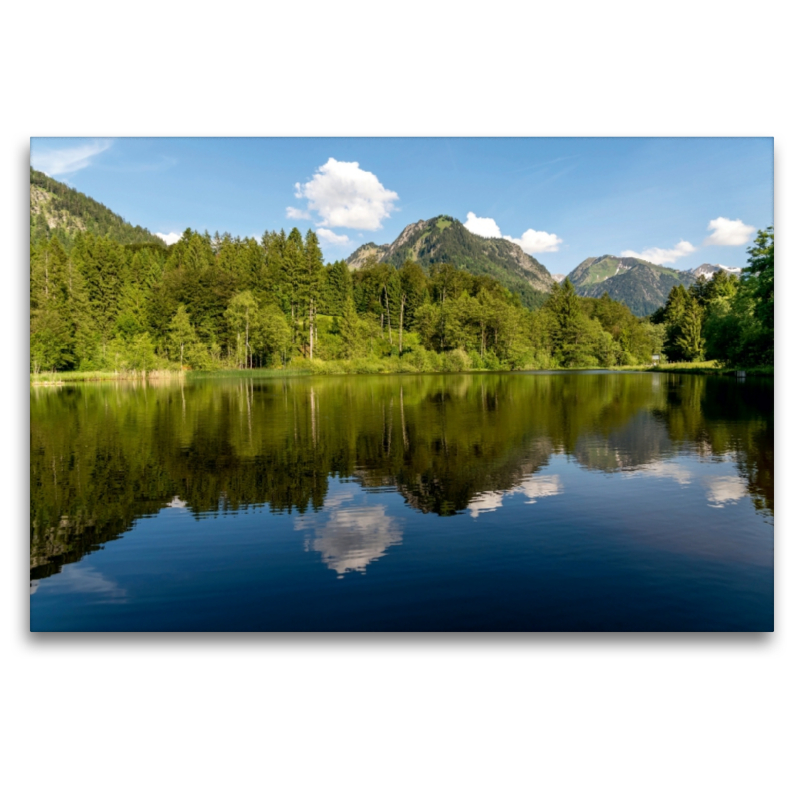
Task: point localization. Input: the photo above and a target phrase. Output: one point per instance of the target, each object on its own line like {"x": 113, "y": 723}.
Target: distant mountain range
{"x": 444, "y": 239}
{"x": 707, "y": 270}
{"x": 642, "y": 286}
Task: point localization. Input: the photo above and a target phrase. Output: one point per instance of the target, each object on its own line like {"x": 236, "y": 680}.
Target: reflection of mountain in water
{"x": 103, "y": 456}
{"x": 640, "y": 441}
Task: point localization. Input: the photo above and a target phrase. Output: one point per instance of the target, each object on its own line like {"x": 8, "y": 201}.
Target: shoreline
{"x": 62, "y": 378}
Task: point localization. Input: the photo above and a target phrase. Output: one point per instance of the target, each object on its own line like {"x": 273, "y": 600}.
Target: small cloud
{"x": 658, "y": 255}
{"x": 729, "y": 232}
{"x": 332, "y": 238}
{"x": 345, "y": 196}
{"x": 531, "y": 241}
{"x": 537, "y": 242}
{"x": 66, "y": 159}
{"x": 297, "y": 213}
{"x": 169, "y": 238}
{"x": 482, "y": 226}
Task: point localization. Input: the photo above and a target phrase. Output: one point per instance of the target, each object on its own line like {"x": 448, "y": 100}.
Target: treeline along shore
{"x": 113, "y": 304}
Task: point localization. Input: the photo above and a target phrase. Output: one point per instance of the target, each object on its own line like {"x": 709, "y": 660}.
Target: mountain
{"x": 58, "y": 210}
{"x": 708, "y": 270}
{"x": 642, "y": 286}
{"x": 444, "y": 239}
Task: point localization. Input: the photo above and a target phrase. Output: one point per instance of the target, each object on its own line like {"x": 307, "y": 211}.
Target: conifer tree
{"x": 690, "y": 332}
{"x": 312, "y": 284}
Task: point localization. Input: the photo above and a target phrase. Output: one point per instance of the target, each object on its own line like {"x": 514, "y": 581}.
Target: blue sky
{"x": 676, "y": 201}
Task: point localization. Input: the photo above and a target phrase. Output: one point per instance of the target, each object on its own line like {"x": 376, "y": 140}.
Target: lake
{"x": 569, "y": 501}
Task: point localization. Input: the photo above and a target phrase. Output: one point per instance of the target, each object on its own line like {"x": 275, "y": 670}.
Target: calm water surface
{"x": 533, "y": 502}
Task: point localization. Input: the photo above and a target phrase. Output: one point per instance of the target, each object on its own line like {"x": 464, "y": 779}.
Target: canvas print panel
{"x": 401, "y": 384}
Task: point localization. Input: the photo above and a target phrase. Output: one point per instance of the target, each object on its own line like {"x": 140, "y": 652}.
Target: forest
{"x": 725, "y": 319}
{"x": 220, "y": 302}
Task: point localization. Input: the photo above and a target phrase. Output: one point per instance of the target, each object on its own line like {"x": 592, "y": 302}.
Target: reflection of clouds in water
{"x": 334, "y": 501}
{"x": 664, "y": 469}
{"x": 721, "y": 491}
{"x": 176, "y": 502}
{"x": 34, "y": 586}
{"x": 349, "y": 539}
{"x": 533, "y": 488}
{"x": 85, "y": 579}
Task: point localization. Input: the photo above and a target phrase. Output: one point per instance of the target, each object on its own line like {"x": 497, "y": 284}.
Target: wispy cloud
{"x": 531, "y": 241}
{"x": 66, "y": 160}
{"x": 729, "y": 232}
{"x": 660, "y": 255}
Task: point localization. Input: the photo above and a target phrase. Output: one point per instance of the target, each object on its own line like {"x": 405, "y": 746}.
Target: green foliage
{"x": 690, "y": 332}
{"x": 727, "y": 319}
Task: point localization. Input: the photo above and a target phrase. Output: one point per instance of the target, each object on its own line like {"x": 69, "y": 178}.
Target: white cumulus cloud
{"x": 659, "y": 255}
{"x": 65, "y": 160}
{"x": 537, "y": 242}
{"x": 297, "y": 213}
{"x": 482, "y": 226}
{"x": 531, "y": 241}
{"x": 169, "y": 238}
{"x": 332, "y": 238}
{"x": 345, "y": 196}
{"x": 731, "y": 232}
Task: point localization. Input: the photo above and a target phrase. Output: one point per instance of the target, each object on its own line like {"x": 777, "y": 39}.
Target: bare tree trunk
{"x": 311, "y": 330}
{"x": 388, "y": 315}
{"x": 400, "y": 334}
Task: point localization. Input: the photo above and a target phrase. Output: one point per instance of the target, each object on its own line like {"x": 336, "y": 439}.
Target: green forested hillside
{"x": 642, "y": 286}
{"x": 57, "y": 210}
{"x": 444, "y": 240}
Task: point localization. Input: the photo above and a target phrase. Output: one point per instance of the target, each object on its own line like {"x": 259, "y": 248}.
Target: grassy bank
{"x": 455, "y": 361}
{"x": 59, "y": 378}
{"x": 713, "y": 368}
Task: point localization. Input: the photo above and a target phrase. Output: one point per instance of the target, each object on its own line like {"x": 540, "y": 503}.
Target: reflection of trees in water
{"x": 102, "y": 456}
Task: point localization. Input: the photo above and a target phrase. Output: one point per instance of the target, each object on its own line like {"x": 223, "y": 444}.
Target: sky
{"x": 680, "y": 202}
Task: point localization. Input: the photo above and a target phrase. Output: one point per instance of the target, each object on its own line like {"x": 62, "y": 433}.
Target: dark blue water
{"x": 448, "y": 503}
